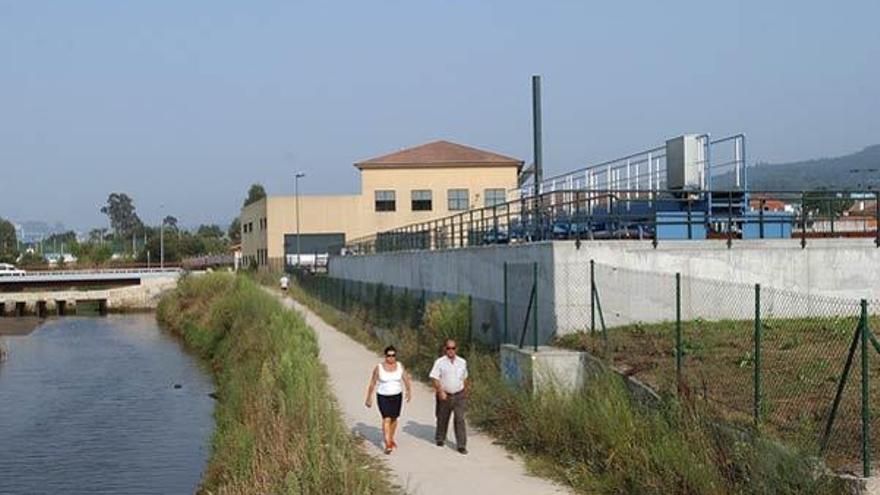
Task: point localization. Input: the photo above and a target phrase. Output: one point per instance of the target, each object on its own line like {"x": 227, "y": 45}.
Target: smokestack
{"x": 536, "y": 132}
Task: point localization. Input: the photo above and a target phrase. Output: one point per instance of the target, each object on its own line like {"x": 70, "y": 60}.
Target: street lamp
{"x": 162, "y": 237}
{"x": 296, "y": 179}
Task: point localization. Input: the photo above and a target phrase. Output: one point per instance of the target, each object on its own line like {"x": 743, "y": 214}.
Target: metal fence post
{"x": 470, "y": 321}
{"x": 758, "y": 331}
{"x": 866, "y": 412}
{"x": 344, "y": 300}
{"x": 592, "y": 296}
{"x": 505, "y": 305}
{"x": 535, "y": 314}
{"x": 678, "y": 344}
{"x": 803, "y": 220}
{"x": 877, "y": 219}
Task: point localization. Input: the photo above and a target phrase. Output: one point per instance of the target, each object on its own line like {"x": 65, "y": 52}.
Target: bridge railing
{"x": 108, "y": 271}
{"x": 651, "y": 215}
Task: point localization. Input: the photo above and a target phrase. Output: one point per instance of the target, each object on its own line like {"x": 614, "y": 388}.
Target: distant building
{"x": 766, "y": 203}
{"x": 413, "y": 185}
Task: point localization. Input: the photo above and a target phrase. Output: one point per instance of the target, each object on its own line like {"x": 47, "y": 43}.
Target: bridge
{"x": 74, "y": 279}
{"x": 44, "y": 293}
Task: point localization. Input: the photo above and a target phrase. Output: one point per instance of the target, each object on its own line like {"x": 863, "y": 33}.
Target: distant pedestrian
{"x": 449, "y": 375}
{"x": 394, "y": 386}
{"x": 285, "y": 282}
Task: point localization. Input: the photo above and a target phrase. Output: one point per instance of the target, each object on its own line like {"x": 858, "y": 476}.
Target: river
{"x": 102, "y": 406}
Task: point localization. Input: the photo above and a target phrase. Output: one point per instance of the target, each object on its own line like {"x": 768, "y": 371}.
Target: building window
{"x": 421, "y": 200}
{"x": 494, "y": 197}
{"x": 385, "y": 201}
{"x": 458, "y": 199}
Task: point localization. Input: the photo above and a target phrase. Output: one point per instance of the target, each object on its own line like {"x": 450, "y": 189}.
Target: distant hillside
{"x": 858, "y": 171}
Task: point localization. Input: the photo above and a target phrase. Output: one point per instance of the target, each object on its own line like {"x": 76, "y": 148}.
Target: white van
{"x": 7, "y": 270}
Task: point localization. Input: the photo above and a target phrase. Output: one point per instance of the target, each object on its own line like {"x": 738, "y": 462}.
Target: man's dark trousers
{"x": 454, "y": 404}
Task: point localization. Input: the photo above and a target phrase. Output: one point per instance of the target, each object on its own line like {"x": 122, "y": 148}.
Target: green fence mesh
{"x": 761, "y": 358}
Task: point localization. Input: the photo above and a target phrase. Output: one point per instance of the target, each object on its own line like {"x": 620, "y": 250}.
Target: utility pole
{"x": 296, "y": 179}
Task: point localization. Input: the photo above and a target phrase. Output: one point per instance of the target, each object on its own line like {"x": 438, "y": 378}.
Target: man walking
{"x": 449, "y": 376}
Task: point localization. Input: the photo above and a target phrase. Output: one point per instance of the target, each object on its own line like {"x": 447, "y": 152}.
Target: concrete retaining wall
{"x": 838, "y": 268}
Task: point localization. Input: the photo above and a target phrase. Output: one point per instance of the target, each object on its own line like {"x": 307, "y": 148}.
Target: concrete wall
{"x": 476, "y": 271}
{"x": 827, "y": 277}
{"x": 636, "y": 280}
{"x": 136, "y": 297}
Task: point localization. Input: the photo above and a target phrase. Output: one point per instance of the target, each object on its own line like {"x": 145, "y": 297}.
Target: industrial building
{"x": 409, "y": 186}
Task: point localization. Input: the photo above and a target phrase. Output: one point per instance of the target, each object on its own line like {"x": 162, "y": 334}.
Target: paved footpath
{"x": 418, "y": 465}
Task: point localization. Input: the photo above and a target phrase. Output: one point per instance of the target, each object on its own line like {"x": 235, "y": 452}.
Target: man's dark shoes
{"x": 440, "y": 444}
{"x": 462, "y": 450}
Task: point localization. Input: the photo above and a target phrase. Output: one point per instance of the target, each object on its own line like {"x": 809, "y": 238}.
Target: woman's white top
{"x": 390, "y": 382}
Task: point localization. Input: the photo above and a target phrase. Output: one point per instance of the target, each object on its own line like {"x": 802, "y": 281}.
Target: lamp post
{"x": 162, "y": 237}
{"x": 296, "y": 179}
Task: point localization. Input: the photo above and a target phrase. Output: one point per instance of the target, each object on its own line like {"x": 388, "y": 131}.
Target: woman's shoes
{"x": 390, "y": 446}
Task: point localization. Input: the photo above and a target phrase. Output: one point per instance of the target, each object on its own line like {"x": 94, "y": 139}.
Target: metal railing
{"x": 653, "y": 215}
{"x": 109, "y": 271}
{"x": 721, "y": 162}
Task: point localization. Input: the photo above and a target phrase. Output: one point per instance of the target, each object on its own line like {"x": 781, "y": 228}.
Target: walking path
{"x": 419, "y": 466}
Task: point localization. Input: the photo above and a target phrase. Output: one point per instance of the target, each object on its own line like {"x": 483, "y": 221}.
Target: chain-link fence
{"x": 788, "y": 363}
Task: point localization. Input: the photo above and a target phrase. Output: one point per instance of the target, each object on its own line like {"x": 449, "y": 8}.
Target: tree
{"x": 8, "y": 242}
{"x": 255, "y": 193}
{"x": 97, "y": 235}
{"x": 827, "y": 204}
{"x": 32, "y": 259}
{"x": 210, "y": 231}
{"x": 120, "y": 211}
{"x": 234, "y": 232}
{"x": 170, "y": 223}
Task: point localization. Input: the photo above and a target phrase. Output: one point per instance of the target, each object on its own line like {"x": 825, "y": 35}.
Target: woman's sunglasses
{"x": 390, "y": 355}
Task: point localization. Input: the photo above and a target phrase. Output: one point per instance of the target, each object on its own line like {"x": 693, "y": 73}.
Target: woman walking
{"x": 392, "y": 381}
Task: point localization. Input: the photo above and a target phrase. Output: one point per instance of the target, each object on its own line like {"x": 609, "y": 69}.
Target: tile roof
{"x": 438, "y": 153}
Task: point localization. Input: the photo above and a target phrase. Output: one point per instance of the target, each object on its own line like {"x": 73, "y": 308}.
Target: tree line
{"x": 128, "y": 239}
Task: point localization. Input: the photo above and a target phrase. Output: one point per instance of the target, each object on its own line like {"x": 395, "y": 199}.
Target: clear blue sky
{"x": 187, "y": 103}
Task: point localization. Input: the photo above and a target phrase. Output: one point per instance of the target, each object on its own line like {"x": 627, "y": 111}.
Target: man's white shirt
{"x": 450, "y": 374}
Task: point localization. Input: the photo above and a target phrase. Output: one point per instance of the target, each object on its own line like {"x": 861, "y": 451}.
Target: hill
{"x": 856, "y": 171}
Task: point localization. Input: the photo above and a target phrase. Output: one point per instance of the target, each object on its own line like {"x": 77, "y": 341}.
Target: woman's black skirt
{"x": 389, "y": 405}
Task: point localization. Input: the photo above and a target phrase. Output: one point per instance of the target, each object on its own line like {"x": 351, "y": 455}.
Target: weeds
{"x": 277, "y": 426}
{"x": 597, "y": 440}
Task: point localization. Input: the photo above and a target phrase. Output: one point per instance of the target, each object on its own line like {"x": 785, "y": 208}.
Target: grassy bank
{"x": 801, "y": 364}
{"x": 277, "y": 426}
{"x": 597, "y": 441}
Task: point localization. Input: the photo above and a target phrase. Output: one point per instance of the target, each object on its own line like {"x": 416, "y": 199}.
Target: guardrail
{"x": 654, "y": 215}
{"x": 110, "y": 271}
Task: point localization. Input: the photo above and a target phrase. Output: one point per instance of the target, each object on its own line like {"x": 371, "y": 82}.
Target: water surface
{"x": 89, "y": 405}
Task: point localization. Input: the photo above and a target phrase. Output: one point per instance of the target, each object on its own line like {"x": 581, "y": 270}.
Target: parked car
{"x": 7, "y": 270}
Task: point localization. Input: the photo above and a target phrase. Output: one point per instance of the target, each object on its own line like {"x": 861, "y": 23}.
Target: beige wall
{"x": 255, "y": 239}
{"x": 318, "y": 215}
{"x": 355, "y": 215}
{"x": 438, "y": 180}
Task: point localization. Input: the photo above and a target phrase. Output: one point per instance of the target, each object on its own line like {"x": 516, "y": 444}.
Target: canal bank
{"x": 278, "y": 427}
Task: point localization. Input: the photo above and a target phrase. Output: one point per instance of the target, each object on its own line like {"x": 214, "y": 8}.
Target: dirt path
{"x": 419, "y": 466}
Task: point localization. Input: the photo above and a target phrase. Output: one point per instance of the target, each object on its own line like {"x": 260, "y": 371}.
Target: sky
{"x": 184, "y": 104}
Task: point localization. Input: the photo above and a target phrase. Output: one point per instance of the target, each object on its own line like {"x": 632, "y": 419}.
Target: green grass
{"x": 802, "y": 361}
{"x": 597, "y": 441}
{"x": 277, "y": 426}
